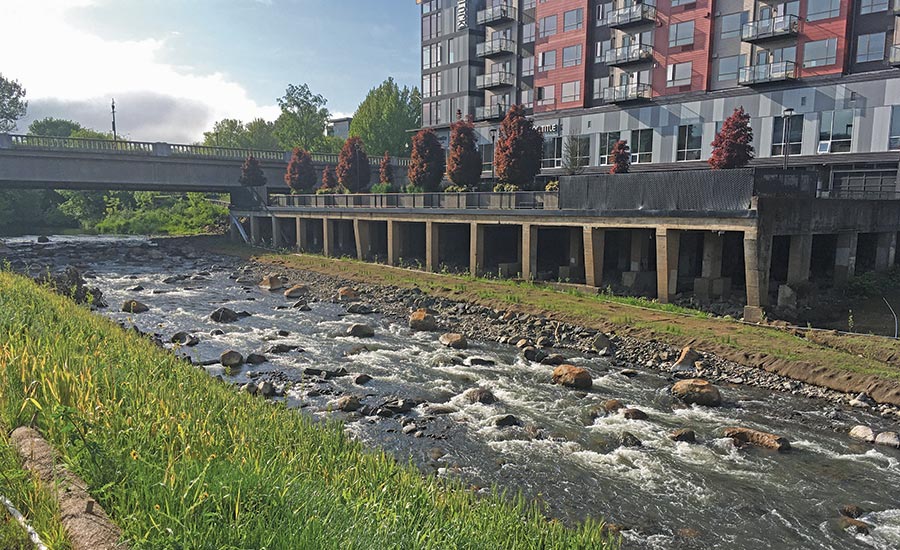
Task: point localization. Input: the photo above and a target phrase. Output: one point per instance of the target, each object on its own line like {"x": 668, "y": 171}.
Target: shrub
{"x": 552, "y": 186}
{"x": 621, "y": 158}
{"x": 427, "y": 163}
{"x": 506, "y": 188}
{"x": 383, "y": 188}
{"x": 519, "y": 149}
{"x": 300, "y": 175}
{"x": 457, "y": 189}
{"x": 353, "y": 171}
{"x": 464, "y": 161}
{"x": 252, "y": 174}
{"x": 732, "y": 145}
{"x": 386, "y": 169}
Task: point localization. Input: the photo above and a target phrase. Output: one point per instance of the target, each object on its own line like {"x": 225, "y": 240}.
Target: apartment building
{"x": 819, "y": 78}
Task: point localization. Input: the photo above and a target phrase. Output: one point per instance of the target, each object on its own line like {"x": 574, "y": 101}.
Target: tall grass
{"x": 182, "y": 461}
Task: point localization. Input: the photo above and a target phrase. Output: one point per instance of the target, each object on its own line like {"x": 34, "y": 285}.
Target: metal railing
{"x": 495, "y": 46}
{"x": 628, "y": 54}
{"x": 895, "y": 7}
{"x": 490, "y": 112}
{"x": 783, "y": 25}
{"x": 178, "y": 150}
{"x": 518, "y": 200}
{"x": 631, "y": 15}
{"x": 895, "y": 55}
{"x": 493, "y": 79}
{"x": 496, "y": 13}
{"x": 629, "y": 92}
{"x": 81, "y": 144}
{"x": 769, "y": 72}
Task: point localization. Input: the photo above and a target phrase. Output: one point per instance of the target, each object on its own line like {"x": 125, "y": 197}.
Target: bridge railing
{"x": 178, "y": 150}
{"x": 81, "y": 144}
{"x": 519, "y": 200}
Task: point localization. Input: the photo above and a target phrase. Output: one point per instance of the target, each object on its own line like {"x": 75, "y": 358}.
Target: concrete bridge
{"x": 36, "y": 162}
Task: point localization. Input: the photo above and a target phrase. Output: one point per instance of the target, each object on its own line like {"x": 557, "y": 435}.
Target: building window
{"x": 431, "y": 113}
{"x": 571, "y": 91}
{"x": 603, "y": 46}
{"x": 431, "y": 85}
{"x": 547, "y": 61}
{"x": 795, "y": 137}
{"x": 528, "y": 66}
{"x": 822, "y": 9}
{"x": 528, "y": 33}
{"x": 894, "y": 138}
{"x": 820, "y": 53}
{"x": 572, "y": 56}
{"x": 546, "y": 95}
{"x": 731, "y": 24}
{"x": 870, "y": 47}
{"x": 600, "y": 84}
{"x": 429, "y": 6}
{"x": 553, "y": 151}
{"x": 528, "y": 99}
{"x": 529, "y": 4}
{"x": 607, "y": 140}
{"x": 431, "y": 56}
{"x": 872, "y": 6}
{"x": 678, "y": 74}
{"x": 681, "y": 34}
{"x": 689, "y": 142}
{"x": 641, "y": 146}
{"x": 548, "y": 26}
{"x": 836, "y": 131}
{"x": 431, "y": 26}
{"x": 573, "y": 20}
{"x": 578, "y": 151}
{"x": 729, "y": 67}
{"x": 487, "y": 156}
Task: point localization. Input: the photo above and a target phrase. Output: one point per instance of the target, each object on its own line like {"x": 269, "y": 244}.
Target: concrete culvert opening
{"x": 503, "y": 250}
{"x": 453, "y": 247}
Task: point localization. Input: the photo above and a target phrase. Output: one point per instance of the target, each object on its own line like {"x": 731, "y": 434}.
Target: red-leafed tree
{"x": 353, "y": 171}
{"x": 252, "y": 174}
{"x": 620, "y": 155}
{"x": 519, "y": 147}
{"x": 426, "y": 163}
{"x": 386, "y": 169}
{"x": 300, "y": 175}
{"x": 732, "y": 146}
{"x": 464, "y": 162}
{"x": 329, "y": 180}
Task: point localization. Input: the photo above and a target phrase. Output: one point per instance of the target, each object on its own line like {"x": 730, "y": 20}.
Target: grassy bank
{"x": 179, "y": 460}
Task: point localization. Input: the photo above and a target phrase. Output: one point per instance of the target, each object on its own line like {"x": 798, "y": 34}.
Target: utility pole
{"x": 115, "y": 135}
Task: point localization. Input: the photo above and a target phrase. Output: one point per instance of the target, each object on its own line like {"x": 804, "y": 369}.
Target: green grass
{"x": 181, "y": 461}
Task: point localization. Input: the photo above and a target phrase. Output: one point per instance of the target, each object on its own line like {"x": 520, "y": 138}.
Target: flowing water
{"x": 667, "y": 494}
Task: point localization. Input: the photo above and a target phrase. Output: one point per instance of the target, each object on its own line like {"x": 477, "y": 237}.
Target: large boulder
{"x": 422, "y": 320}
{"x": 271, "y": 282}
{"x": 747, "y": 436}
{"x": 480, "y": 395}
{"x": 231, "y": 358}
{"x": 454, "y": 340}
{"x": 890, "y": 439}
{"x": 601, "y": 342}
{"x": 683, "y": 435}
{"x": 634, "y": 414}
{"x": 535, "y": 355}
{"x": 133, "y": 306}
{"x": 863, "y": 433}
{"x": 184, "y": 339}
{"x": 296, "y": 291}
{"x": 696, "y": 391}
{"x": 224, "y": 315}
{"x": 347, "y": 403}
{"x": 359, "y": 330}
{"x": 572, "y": 377}
{"x": 686, "y": 361}
{"x": 347, "y": 294}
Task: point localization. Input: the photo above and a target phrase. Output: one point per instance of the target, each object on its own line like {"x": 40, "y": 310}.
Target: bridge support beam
{"x": 845, "y": 257}
{"x": 667, "y": 249}
{"x": 711, "y": 284}
{"x": 594, "y": 250}
{"x": 757, "y": 263}
{"x": 327, "y": 237}
{"x": 799, "y": 259}
{"x": 639, "y": 278}
{"x": 529, "y": 252}
{"x": 362, "y": 230}
{"x": 394, "y": 230}
{"x": 302, "y": 235}
{"x": 432, "y": 246}
{"x": 255, "y": 233}
{"x": 476, "y": 248}
{"x": 886, "y": 251}
{"x": 276, "y": 233}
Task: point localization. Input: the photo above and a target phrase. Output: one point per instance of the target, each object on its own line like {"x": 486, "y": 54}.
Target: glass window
{"x": 487, "y": 156}
{"x": 553, "y": 150}
{"x": 528, "y": 98}
{"x": 836, "y": 131}
{"x": 689, "y": 142}
{"x": 870, "y": 47}
{"x": 682, "y": 2}
{"x": 547, "y": 61}
{"x": 731, "y": 24}
{"x": 820, "y": 53}
{"x": 795, "y": 135}
{"x": 894, "y": 138}
{"x": 548, "y": 26}
{"x": 573, "y": 20}
{"x": 572, "y": 56}
{"x": 678, "y": 74}
{"x": 528, "y": 65}
{"x": 600, "y": 84}
{"x": 822, "y": 9}
{"x": 431, "y": 85}
{"x": 872, "y": 6}
{"x": 528, "y": 4}
{"x": 431, "y": 26}
{"x": 578, "y": 150}
{"x": 546, "y": 95}
{"x": 528, "y": 33}
{"x": 571, "y": 91}
{"x": 603, "y": 46}
{"x": 681, "y": 34}
{"x": 730, "y": 66}
{"x": 429, "y": 6}
{"x": 607, "y": 140}
{"x": 431, "y": 56}
{"x": 641, "y": 146}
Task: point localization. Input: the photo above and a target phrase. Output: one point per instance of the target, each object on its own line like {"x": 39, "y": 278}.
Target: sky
{"x": 174, "y": 67}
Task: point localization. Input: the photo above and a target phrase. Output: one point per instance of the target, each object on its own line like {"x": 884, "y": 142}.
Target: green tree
{"x": 12, "y": 103}
{"x": 303, "y": 119}
{"x": 55, "y": 127}
{"x": 230, "y": 132}
{"x": 331, "y": 145}
{"x": 385, "y": 117}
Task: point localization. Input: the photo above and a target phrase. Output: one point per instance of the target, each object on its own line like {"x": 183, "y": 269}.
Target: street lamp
{"x": 493, "y": 151}
{"x": 785, "y": 145}
{"x": 115, "y": 135}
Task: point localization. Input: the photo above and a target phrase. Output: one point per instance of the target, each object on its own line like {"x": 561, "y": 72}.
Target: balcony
{"x": 895, "y": 7}
{"x": 497, "y": 14}
{"x": 895, "y": 56}
{"x": 767, "y": 29}
{"x": 628, "y": 54}
{"x": 495, "y": 46}
{"x": 491, "y": 112}
{"x": 637, "y": 14}
{"x": 770, "y": 72}
{"x": 629, "y": 92}
{"x": 495, "y": 80}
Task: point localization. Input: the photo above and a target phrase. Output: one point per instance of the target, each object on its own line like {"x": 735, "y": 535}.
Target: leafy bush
{"x": 383, "y": 188}
{"x": 506, "y": 188}
{"x": 552, "y": 186}
{"x": 188, "y": 215}
{"x": 457, "y": 189}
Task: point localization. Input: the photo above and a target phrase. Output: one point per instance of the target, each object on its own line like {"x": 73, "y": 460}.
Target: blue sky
{"x": 175, "y": 66}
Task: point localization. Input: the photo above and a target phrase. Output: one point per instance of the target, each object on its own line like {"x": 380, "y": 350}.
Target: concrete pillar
{"x": 476, "y": 248}
{"x": 432, "y": 247}
{"x": 255, "y": 234}
{"x": 639, "y": 246}
{"x": 327, "y": 237}
{"x": 845, "y": 257}
{"x": 594, "y": 250}
{"x": 667, "y": 245}
{"x": 757, "y": 263}
{"x": 885, "y": 254}
{"x": 276, "y": 233}
{"x": 712, "y": 254}
{"x": 529, "y": 251}
{"x": 576, "y": 253}
{"x": 362, "y": 234}
{"x": 799, "y": 259}
{"x": 393, "y": 244}
{"x": 302, "y": 235}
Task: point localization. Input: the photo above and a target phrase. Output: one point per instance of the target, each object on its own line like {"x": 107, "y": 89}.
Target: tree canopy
{"x": 54, "y": 127}
{"x": 252, "y": 174}
{"x": 427, "y": 163}
{"x": 230, "y": 132}
{"x": 732, "y": 146}
{"x": 12, "y": 103}
{"x": 385, "y": 117}
{"x": 353, "y": 171}
{"x": 300, "y": 175}
{"x": 464, "y": 161}
{"x": 386, "y": 170}
{"x": 620, "y": 155}
{"x": 519, "y": 148}
{"x": 303, "y": 119}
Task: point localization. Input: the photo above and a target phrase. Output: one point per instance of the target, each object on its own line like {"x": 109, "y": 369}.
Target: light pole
{"x": 115, "y": 135}
{"x": 493, "y": 152}
{"x": 786, "y": 146}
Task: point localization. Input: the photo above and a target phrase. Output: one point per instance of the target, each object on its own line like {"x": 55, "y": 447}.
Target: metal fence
{"x": 519, "y": 200}
{"x": 864, "y": 184}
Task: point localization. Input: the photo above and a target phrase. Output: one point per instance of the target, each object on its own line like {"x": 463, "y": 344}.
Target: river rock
{"x": 400, "y": 406}
{"x": 862, "y": 401}
{"x": 362, "y": 379}
{"x": 347, "y": 294}
{"x": 553, "y": 360}
{"x": 634, "y": 414}
{"x": 296, "y": 291}
{"x": 628, "y": 439}
{"x": 224, "y": 315}
{"x": 231, "y": 359}
{"x": 573, "y": 377}
{"x": 480, "y": 395}
{"x": 43, "y": 239}
{"x": 854, "y": 524}
{"x": 851, "y": 511}
{"x": 266, "y": 389}
{"x": 271, "y": 282}
{"x": 533, "y": 354}
{"x": 133, "y": 306}
{"x": 683, "y": 435}
{"x": 423, "y": 321}
{"x": 359, "y": 330}
{"x": 256, "y": 359}
{"x": 889, "y": 439}
{"x": 480, "y": 362}
{"x": 347, "y": 403}
{"x": 506, "y": 420}
{"x": 685, "y": 364}
{"x": 360, "y": 309}
{"x": 612, "y": 405}
{"x": 281, "y": 348}
{"x": 601, "y": 342}
{"x": 250, "y": 388}
{"x": 217, "y": 332}
{"x": 454, "y": 340}
{"x": 863, "y": 433}
{"x": 301, "y": 305}
{"x": 184, "y": 339}
{"x": 696, "y": 391}
{"x": 747, "y": 436}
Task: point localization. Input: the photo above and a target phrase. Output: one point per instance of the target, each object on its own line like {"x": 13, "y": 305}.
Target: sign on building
{"x": 462, "y": 14}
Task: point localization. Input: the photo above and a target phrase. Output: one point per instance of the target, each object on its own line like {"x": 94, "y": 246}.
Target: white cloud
{"x": 61, "y": 64}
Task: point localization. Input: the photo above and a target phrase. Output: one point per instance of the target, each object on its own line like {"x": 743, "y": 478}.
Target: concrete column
{"x": 529, "y": 251}
{"x": 363, "y": 236}
{"x": 302, "y": 235}
{"x": 799, "y": 259}
{"x": 845, "y": 257}
{"x": 327, "y": 237}
{"x": 712, "y": 254}
{"x": 757, "y": 263}
{"x": 432, "y": 247}
{"x": 667, "y": 245}
{"x": 476, "y": 248}
{"x": 276, "y": 233}
{"x": 639, "y": 245}
{"x": 594, "y": 250}
{"x": 255, "y": 234}
{"x": 393, "y": 244}
{"x": 576, "y": 252}
{"x": 886, "y": 252}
